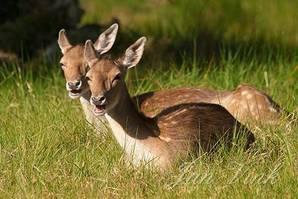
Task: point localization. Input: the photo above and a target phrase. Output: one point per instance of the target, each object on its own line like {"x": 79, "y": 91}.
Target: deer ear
{"x": 63, "y": 41}
{"x": 106, "y": 39}
{"x": 133, "y": 53}
{"x": 89, "y": 53}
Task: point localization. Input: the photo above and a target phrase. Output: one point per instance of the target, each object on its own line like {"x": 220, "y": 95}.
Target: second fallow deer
{"x": 75, "y": 68}
{"x": 173, "y": 133}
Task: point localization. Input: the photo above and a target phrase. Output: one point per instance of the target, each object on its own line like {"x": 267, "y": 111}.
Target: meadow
{"x": 47, "y": 150}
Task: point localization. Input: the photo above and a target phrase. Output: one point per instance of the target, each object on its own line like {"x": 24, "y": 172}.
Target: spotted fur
{"x": 169, "y": 136}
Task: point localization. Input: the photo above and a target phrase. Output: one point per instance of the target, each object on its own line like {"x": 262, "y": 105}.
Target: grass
{"x": 181, "y": 20}
{"x": 199, "y": 29}
{"x": 48, "y": 150}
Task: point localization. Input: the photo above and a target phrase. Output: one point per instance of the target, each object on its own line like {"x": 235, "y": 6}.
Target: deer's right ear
{"x": 63, "y": 41}
{"x": 106, "y": 39}
{"x": 89, "y": 53}
{"x": 133, "y": 54}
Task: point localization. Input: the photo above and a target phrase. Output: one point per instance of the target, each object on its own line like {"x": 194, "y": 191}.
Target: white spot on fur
{"x": 166, "y": 139}
{"x": 178, "y": 112}
{"x": 249, "y": 96}
{"x": 169, "y": 118}
{"x": 244, "y": 93}
{"x": 233, "y": 101}
{"x": 183, "y": 110}
{"x": 174, "y": 122}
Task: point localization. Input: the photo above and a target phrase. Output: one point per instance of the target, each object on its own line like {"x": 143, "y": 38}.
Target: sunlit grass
{"x": 240, "y": 21}
{"x": 48, "y": 150}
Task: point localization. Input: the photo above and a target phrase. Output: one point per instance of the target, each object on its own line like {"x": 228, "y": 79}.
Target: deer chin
{"x": 99, "y": 110}
{"x": 74, "y": 94}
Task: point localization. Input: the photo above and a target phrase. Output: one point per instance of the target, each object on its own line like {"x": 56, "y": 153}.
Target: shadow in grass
{"x": 205, "y": 47}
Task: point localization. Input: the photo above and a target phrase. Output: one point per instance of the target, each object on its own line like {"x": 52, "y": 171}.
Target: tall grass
{"x": 239, "y": 21}
{"x": 198, "y": 28}
{"x": 48, "y": 150}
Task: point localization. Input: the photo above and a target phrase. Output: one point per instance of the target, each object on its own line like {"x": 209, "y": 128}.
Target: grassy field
{"x": 48, "y": 151}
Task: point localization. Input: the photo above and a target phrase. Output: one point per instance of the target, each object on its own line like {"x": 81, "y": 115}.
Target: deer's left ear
{"x": 106, "y": 39}
{"x": 63, "y": 41}
{"x": 133, "y": 54}
{"x": 90, "y": 54}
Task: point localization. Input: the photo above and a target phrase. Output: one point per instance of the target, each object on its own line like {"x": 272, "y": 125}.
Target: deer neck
{"x": 135, "y": 133}
{"x": 128, "y": 117}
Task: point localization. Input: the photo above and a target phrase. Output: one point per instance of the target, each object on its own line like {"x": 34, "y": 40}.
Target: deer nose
{"x": 98, "y": 100}
{"x": 74, "y": 85}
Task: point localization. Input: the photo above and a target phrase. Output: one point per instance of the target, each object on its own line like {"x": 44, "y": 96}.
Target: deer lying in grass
{"x": 165, "y": 138}
{"x": 247, "y": 104}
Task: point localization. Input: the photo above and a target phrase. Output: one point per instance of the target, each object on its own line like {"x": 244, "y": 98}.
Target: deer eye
{"x": 116, "y": 78}
{"x": 87, "y": 78}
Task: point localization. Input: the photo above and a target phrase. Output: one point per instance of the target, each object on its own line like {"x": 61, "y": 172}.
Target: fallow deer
{"x": 75, "y": 67}
{"x": 165, "y": 138}
{"x": 247, "y": 104}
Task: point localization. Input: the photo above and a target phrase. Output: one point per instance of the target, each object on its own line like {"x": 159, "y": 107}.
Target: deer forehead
{"x": 104, "y": 69}
{"x": 73, "y": 55}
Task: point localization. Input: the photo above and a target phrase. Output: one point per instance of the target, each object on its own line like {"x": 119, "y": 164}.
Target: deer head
{"x": 73, "y": 63}
{"x": 106, "y": 77}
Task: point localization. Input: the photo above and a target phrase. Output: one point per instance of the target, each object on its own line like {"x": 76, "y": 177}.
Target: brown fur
{"x": 104, "y": 75}
{"x": 249, "y": 108}
{"x": 153, "y": 103}
{"x": 173, "y": 133}
{"x": 203, "y": 124}
{"x": 255, "y": 105}
{"x": 73, "y": 63}
{"x": 259, "y": 107}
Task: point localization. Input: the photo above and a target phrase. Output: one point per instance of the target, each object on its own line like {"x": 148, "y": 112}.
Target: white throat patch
{"x": 133, "y": 147}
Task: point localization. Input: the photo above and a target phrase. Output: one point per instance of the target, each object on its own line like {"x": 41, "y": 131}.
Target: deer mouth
{"x": 99, "y": 109}
{"x": 75, "y": 93}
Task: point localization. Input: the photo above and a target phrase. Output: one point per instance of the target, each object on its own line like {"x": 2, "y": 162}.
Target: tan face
{"x": 104, "y": 80}
{"x": 73, "y": 61}
{"x": 106, "y": 77}
{"x": 74, "y": 68}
